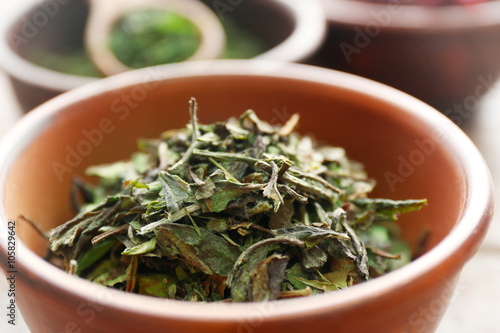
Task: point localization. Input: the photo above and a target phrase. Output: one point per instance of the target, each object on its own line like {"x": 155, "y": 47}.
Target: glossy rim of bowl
{"x": 306, "y": 37}
{"x": 468, "y": 233}
{"x": 414, "y": 18}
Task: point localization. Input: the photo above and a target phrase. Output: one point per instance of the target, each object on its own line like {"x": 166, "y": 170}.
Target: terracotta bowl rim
{"x": 476, "y": 214}
{"x": 414, "y": 18}
{"x": 306, "y": 38}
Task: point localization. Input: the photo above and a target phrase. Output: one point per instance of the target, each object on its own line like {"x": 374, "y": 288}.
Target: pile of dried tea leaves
{"x": 237, "y": 210}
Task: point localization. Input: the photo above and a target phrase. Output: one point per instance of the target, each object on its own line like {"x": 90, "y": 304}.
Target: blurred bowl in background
{"x": 412, "y": 151}
{"x": 446, "y": 56}
{"x": 285, "y": 30}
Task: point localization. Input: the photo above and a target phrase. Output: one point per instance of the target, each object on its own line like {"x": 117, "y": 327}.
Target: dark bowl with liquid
{"x": 446, "y": 56}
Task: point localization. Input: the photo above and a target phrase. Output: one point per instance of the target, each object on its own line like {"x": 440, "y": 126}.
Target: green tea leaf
{"x": 175, "y": 190}
{"x": 389, "y": 210}
{"x": 324, "y": 286}
{"x": 141, "y": 248}
{"x": 108, "y": 273}
{"x": 159, "y": 285}
{"x": 313, "y": 257}
{"x": 240, "y": 279}
{"x": 294, "y": 275}
{"x": 311, "y": 236}
{"x": 359, "y": 248}
{"x": 206, "y": 190}
{"x": 218, "y": 225}
{"x": 283, "y": 217}
{"x": 221, "y": 199}
{"x": 209, "y": 253}
{"x": 266, "y": 278}
{"x": 115, "y": 171}
{"x": 141, "y": 162}
{"x": 94, "y": 254}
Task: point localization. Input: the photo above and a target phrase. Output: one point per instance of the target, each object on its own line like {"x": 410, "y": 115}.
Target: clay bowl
{"x": 291, "y": 30}
{"x": 445, "y": 56}
{"x": 411, "y": 149}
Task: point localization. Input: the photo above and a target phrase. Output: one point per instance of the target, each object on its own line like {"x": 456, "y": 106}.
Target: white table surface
{"x": 476, "y": 303}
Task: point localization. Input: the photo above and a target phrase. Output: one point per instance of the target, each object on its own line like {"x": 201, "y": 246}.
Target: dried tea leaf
{"x": 141, "y": 162}
{"x": 175, "y": 190}
{"x": 323, "y": 286}
{"x": 341, "y": 274}
{"x": 266, "y": 278}
{"x": 271, "y": 190}
{"x": 159, "y": 285}
{"x": 206, "y": 190}
{"x": 218, "y": 225}
{"x": 108, "y": 273}
{"x": 141, "y": 248}
{"x": 310, "y": 235}
{"x": 65, "y": 234}
{"x": 209, "y": 253}
{"x": 283, "y": 217}
{"x": 221, "y": 199}
{"x": 294, "y": 275}
{"x": 240, "y": 208}
{"x": 313, "y": 257}
{"x": 261, "y": 125}
{"x": 389, "y": 210}
{"x": 241, "y": 275}
{"x": 261, "y": 207}
{"x": 113, "y": 172}
{"x": 359, "y": 248}
{"x": 132, "y": 273}
{"x": 94, "y": 254}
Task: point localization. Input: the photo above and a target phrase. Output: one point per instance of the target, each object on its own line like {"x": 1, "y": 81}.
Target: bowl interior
{"x": 398, "y": 149}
